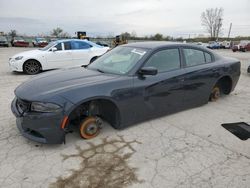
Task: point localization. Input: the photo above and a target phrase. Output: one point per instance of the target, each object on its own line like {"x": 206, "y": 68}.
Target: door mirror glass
{"x": 148, "y": 71}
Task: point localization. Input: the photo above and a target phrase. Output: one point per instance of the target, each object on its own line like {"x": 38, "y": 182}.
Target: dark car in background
{"x": 129, "y": 84}
{"x": 19, "y": 42}
{"x": 40, "y": 42}
{"x": 4, "y": 41}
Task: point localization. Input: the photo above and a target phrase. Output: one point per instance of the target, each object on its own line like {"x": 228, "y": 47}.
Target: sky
{"x": 177, "y": 18}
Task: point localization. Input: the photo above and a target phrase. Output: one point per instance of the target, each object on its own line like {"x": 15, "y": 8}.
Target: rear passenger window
{"x": 164, "y": 60}
{"x": 194, "y": 57}
{"x": 208, "y": 57}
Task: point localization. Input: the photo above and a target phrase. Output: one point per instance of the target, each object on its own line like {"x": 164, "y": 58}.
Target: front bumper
{"x": 39, "y": 127}
{"x": 4, "y": 44}
{"x": 16, "y": 65}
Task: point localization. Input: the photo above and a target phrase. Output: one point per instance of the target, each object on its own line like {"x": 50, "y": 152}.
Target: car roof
{"x": 158, "y": 44}
{"x": 81, "y": 40}
{"x": 65, "y": 40}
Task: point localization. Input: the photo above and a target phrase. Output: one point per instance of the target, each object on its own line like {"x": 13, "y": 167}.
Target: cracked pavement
{"x": 186, "y": 149}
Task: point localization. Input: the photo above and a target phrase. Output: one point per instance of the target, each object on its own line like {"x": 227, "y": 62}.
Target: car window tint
{"x": 164, "y": 60}
{"x": 67, "y": 45}
{"x": 79, "y": 45}
{"x": 194, "y": 57}
{"x": 59, "y": 46}
{"x": 208, "y": 57}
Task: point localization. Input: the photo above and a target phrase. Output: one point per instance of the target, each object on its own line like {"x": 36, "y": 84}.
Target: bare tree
{"x": 133, "y": 35}
{"x": 158, "y": 36}
{"x": 58, "y": 32}
{"x": 12, "y": 33}
{"x": 126, "y": 35}
{"x": 211, "y": 19}
{"x": 64, "y": 35}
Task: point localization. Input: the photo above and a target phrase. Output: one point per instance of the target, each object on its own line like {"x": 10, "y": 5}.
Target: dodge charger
{"x": 129, "y": 84}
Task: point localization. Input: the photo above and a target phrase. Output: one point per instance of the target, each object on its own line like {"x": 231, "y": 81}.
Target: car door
{"x": 61, "y": 57}
{"x": 68, "y": 55}
{"x": 81, "y": 53}
{"x": 163, "y": 92}
{"x": 201, "y": 74}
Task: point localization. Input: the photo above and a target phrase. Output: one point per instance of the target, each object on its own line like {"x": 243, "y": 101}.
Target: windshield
{"x": 243, "y": 42}
{"x": 40, "y": 39}
{"x": 18, "y": 38}
{"x": 48, "y": 46}
{"x": 3, "y": 38}
{"x": 118, "y": 61}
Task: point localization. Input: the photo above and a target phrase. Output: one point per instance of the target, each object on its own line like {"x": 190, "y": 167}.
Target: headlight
{"x": 44, "y": 107}
{"x": 18, "y": 58}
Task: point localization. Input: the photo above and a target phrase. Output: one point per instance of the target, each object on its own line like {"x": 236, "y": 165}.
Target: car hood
{"x": 47, "y": 85}
{"x": 30, "y": 53}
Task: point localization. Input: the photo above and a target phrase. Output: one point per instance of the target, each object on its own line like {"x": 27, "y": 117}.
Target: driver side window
{"x": 165, "y": 60}
{"x": 59, "y": 46}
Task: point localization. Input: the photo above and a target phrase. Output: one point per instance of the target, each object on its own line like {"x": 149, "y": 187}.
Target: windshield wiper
{"x": 99, "y": 70}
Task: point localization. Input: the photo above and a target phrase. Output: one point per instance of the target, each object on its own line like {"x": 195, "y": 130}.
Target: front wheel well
{"x": 225, "y": 84}
{"x": 103, "y": 108}
{"x": 32, "y": 60}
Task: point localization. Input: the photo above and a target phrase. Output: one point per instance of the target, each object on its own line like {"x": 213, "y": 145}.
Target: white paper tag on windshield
{"x": 140, "y": 52}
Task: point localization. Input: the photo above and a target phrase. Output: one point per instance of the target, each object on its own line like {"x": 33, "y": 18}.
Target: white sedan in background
{"x": 58, "y": 54}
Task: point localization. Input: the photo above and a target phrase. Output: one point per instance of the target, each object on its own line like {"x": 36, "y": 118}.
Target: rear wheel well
{"x": 102, "y": 108}
{"x": 225, "y": 84}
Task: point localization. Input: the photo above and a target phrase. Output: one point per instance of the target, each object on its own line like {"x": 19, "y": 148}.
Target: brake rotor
{"x": 215, "y": 95}
{"x": 89, "y": 128}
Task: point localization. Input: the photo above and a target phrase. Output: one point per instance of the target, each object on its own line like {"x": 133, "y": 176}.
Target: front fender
{"x": 116, "y": 121}
{"x": 69, "y": 110}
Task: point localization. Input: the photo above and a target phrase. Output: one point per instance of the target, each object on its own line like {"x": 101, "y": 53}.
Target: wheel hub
{"x": 31, "y": 67}
{"x": 215, "y": 94}
{"x": 91, "y": 129}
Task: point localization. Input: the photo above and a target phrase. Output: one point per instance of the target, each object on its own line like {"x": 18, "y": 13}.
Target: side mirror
{"x": 53, "y": 49}
{"x": 148, "y": 71}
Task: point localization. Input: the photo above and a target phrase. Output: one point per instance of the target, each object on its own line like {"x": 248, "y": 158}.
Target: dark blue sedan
{"x": 129, "y": 84}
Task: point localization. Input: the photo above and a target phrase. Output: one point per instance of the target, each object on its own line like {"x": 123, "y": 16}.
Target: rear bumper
{"x": 40, "y": 127}
{"x": 20, "y": 44}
